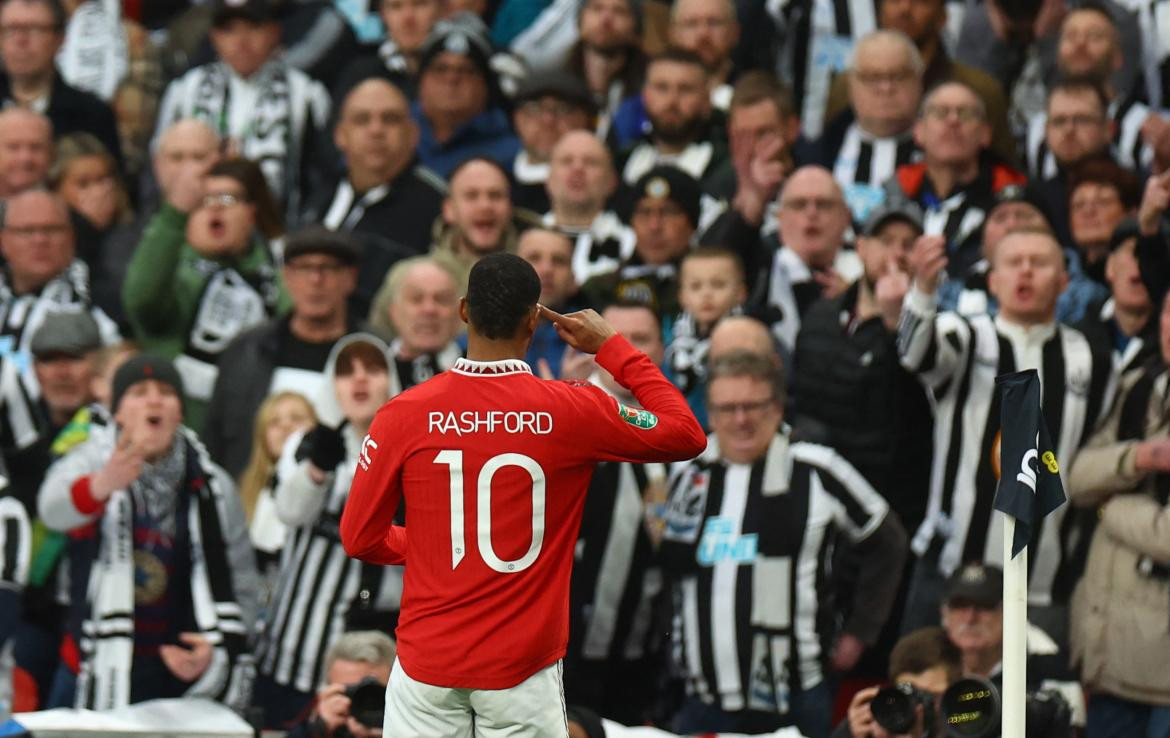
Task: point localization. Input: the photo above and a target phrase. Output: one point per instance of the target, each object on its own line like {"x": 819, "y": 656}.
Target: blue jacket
{"x": 487, "y": 134}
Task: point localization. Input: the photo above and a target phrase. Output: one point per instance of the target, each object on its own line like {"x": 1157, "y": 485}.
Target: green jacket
{"x": 171, "y": 293}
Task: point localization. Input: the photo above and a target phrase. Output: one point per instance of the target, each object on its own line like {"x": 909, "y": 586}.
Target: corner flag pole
{"x": 1015, "y": 628}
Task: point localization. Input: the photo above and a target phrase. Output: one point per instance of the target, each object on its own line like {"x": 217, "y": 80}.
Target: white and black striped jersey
{"x": 1154, "y": 22}
{"x": 616, "y": 582}
{"x": 602, "y": 247}
{"x": 818, "y": 38}
{"x": 958, "y": 358}
{"x": 1128, "y": 148}
{"x": 863, "y": 164}
{"x": 22, "y": 418}
{"x": 15, "y": 543}
{"x": 748, "y": 549}
{"x": 320, "y": 590}
{"x": 788, "y": 286}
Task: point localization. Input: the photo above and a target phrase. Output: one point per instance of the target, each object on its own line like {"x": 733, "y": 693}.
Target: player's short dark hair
{"x": 925, "y": 649}
{"x": 501, "y": 291}
{"x": 744, "y": 363}
{"x": 370, "y": 356}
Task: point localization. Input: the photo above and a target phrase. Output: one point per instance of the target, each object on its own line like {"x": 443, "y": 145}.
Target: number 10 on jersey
{"x": 453, "y": 460}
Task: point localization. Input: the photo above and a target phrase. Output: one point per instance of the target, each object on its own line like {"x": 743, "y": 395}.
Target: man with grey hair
{"x": 26, "y": 150}
{"x": 740, "y": 518}
{"x": 866, "y": 143}
{"x": 355, "y": 657}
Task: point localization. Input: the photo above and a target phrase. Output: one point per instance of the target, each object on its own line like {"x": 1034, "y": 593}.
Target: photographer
{"x": 925, "y": 659}
{"x": 355, "y": 658}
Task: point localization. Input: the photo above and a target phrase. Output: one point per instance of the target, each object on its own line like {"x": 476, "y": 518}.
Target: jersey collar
{"x": 501, "y": 368}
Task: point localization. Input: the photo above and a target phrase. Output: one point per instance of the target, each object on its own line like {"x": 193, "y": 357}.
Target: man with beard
{"x": 677, "y": 105}
{"x": 710, "y": 30}
{"x": 609, "y": 55}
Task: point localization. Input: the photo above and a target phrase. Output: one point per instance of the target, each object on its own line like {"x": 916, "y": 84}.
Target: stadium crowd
{"x": 231, "y": 230}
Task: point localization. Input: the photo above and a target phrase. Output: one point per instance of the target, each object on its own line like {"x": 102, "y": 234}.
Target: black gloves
{"x": 323, "y": 446}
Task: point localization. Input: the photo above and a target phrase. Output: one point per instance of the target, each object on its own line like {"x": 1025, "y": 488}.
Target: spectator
{"x": 1026, "y": 277}
{"x": 203, "y": 275}
{"x": 419, "y": 305}
{"x": 85, "y": 176}
{"x": 1121, "y": 476}
{"x": 288, "y": 352}
{"x": 726, "y": 511}
{"x": 354, "y": 658}
{"x": 33, "y": 33}
{"x": 608, "y": 55}
{"x": 865, "y": 144}
{"x": 187, "y": 144}
{"x": 408, "y": 23}
{"x": 456, "y": 110}
{"x": 384, "y": 197}
{"x": 972, "y": 615}
{"x": 41, "y": 275}
{"x": 1076, "y": 127}
{"x": 925, "y": 659}
{"x": 925, "y": 23}
{"x": 15, "y": 542}
{"x": 145, "y": 490}
{"x": 676, "y": 103}
{"x": 763, "y": 126}
{"x": 550, "y": 253}
{"x": 1101, "y": 195}
{"x": 710, "y": 30}
{"x": 314, "y": 473}
{"x": 663, "y": 211}
{"x": 477, "y": 217}
{"x": 26, "y": 150}
{"x": 741, "y": 332}
{"x": 956, "y": 182}
{"x": 547, "y": 106}
{"x": 280, "y": 415}
{"x": 581, "y": 179}
{"x": 272, "y": 112}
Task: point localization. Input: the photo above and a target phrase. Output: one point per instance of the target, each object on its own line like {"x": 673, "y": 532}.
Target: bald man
{"x": 957, "y": 359}
{"x": 26, "y": 149}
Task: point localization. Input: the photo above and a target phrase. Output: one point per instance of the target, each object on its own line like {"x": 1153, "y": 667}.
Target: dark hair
{"x": 1078, "y": 83}
{"x": 744, "y": 363}
{"x": 1103, "y": 170}
{"x": 502, "y": 289}
{"x": 56, "y": 9}
{"x": 251, "y": 178}
{"x": 716, "y": 252}
{"x": 370, "y": 356}
{"x": 678, "y": 56}
{"x": 758, "y": 86}
{"x": 924, "y": 649}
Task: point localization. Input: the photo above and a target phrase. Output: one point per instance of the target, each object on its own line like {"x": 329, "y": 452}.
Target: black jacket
{"x": 72, "y": 110}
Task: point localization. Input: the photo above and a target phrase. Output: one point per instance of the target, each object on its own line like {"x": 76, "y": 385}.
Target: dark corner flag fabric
{"x": 1029, "y": 484}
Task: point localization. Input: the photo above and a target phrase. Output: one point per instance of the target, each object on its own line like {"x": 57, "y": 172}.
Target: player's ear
{"x": 463, "y": 310}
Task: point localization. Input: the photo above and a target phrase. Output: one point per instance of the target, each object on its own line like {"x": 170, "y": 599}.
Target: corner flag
{"x": 1029, "y": 483}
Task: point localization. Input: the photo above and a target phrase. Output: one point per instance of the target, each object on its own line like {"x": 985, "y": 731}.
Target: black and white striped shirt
{"x": 602, "y": 247}
{"x": 864, "y": 163}
{"x": 958, "y": 358}
{"x": 1128, "y": 147}
{"x": 749, "y": 545}
{"x": 15, "y": 543}
{"x": 616, "y": 581}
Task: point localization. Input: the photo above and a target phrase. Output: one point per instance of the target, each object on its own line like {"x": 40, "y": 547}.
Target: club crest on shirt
{"x": 685, "y": 507}
{"x": 643, "y": 419}
{"x": 721, "y": 542}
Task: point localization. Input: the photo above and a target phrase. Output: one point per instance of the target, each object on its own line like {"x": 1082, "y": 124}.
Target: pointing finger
{"x": 550, "y": 315}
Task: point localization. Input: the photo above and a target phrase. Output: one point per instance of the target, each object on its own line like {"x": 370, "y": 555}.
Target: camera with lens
{"x": 894, "y": 708}
{"x": 970, "y": 708}
{"x": 367, "y": 702}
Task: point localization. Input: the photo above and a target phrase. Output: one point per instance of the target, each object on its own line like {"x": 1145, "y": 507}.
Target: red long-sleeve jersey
{"x": 493, "y": 464}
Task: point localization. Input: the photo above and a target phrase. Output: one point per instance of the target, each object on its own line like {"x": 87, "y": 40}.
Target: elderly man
{"x": 676, "y": 103}
{"x": 26, "y": 150}
{"x": 956, "y": 183}
{"x": 547, "y": 106}
{"x": 581, "y": 179}
{"x": 286, "y": 352}
{"x": 355, "y": 657}
{"x": 272, "y": 112}
{"x": 753, "y": 655}
{"x": 33, "y": 31}
{"x": 1027, "y": 276}
{"x": 41, "y": 274}
{"x": 456, "y": 109}
{"x": 710, "y": 30}
{"x": 865, "y": 144}
{"x": 423, "y": 310}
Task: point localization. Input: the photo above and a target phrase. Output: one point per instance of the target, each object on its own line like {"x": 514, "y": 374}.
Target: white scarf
{"x": 95, "y": 54}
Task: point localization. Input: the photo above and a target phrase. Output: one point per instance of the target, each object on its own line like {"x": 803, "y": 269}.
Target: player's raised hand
{"x": 584, "y": 330}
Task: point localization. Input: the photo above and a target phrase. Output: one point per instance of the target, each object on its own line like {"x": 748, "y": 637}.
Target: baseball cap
{"x": 560, "y": 85}
{"x": 257, "y": 11}
{"x": 463, "y": 34}
{"x": 665, "y": 183}
{"x": 317, "y": 239}
{"x": 1023, "y": 194}
{"x": 69, "y": 333}
{"x": 899, "y": 208}
{"x": 975, "y": 584}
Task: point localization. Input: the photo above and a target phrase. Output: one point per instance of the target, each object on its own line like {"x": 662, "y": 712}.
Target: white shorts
{"x": 534, "y": 708}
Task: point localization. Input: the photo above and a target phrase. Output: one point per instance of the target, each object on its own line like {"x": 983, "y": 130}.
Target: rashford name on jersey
{"x": 471, "y": 421}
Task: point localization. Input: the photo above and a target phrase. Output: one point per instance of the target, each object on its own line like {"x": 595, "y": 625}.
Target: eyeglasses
{"x": 965, "y": 113}
{"x": 220, "y": 199}
{"x": 872, "y": 78}
{"x": 37, "y": 30}
{"x": 1082, "y": 120}
{"x": 820, "y": 204}
{"x": 306, "y": 268}
{"x": 730, "y": 409}
{"x": 32, "y": 231}
{"x": 555, "y": 108}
